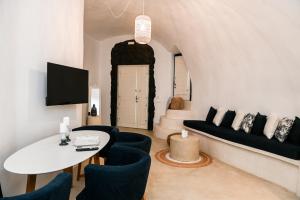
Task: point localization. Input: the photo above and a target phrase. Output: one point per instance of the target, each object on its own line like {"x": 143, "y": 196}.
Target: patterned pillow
{"x": 283, "y": 129}
{"x": 247, "y": 123}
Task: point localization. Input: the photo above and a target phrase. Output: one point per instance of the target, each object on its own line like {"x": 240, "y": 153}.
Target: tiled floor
{"x": 214, "y": 182}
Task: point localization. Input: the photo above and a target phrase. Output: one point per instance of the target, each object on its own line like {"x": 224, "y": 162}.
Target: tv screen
{"x": 66, "y": 85}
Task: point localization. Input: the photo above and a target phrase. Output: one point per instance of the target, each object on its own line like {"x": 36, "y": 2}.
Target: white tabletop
{"x": 47, "y": 156}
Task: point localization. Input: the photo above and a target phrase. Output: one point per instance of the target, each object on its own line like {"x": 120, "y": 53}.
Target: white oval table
{"x": 47, "y": 156}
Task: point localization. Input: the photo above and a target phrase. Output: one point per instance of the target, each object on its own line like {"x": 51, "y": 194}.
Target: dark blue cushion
{"x": 211, "y": 115}
{"x": 259, "y": 124}
{"x": 257, "y": 141}
{"x": 228, "y": 119}
{"x": 112, "y": 131}
{"x": 57, "y": 189}
{"x": 294, "y": 135}
{"x": 134, "y": 140}
{"x": 124, "y": 177}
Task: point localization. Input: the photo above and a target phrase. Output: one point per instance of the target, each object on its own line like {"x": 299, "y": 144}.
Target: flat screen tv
{"x": 66, "y": 85}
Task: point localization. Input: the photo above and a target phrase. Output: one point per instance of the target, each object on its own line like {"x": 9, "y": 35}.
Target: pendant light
{"x": 142, "y": 34}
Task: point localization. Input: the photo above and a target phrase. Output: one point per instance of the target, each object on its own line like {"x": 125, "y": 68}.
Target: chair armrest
{"x": 127, "y": 137}
{"x": 134, "y": 140}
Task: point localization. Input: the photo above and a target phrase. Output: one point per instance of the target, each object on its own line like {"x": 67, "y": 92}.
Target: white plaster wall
{"x": 32, "y": 33}
{"x": 241, "y": 54}
{"x": 98, "y": 53}
{"x": 7, "y": 85}
{"x": 91, "y": 62}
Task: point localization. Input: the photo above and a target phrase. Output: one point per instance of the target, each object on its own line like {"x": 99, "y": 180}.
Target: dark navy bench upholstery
{"x": 256, "y": 141}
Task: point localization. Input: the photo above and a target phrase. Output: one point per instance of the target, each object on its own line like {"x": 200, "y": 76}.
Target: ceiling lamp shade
{"x": 142, "y": 34}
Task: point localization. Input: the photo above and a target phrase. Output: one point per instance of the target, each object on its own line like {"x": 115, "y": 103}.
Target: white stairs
{"x": 172, "y": 122}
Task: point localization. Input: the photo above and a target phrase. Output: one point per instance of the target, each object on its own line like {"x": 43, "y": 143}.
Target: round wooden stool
{"x": 184, "y": 149}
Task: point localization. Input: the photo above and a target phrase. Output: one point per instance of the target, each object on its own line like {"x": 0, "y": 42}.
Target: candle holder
{"x": 63, "y": 140}
{"x": 66, "y": 121}
{"x": 68, "y": 137}
{"x": 63, "y": 130}
{"x": 63, "y": 143}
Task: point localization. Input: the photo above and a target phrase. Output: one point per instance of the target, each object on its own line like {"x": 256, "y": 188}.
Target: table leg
{"x": 78, "y": 171}
{"x": 31, "y": 181}
{"x": 96, "y": 159}
{"x": 69, "y": 170}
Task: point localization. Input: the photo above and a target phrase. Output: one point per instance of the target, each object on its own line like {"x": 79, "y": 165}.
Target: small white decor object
{"x": 63, "y": 130}
{"x": 219, "y": 116}
{"x": 142, "y": 34}
{"x": 271, "y": 125}
{"x": 66, "y": 121}
{"x": 184, "y": 133}
{"x": 86, "y": 141}
{"x": 236, "y": 124}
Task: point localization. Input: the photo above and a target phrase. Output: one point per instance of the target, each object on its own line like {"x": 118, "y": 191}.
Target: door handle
{"x": 136, "y": 99}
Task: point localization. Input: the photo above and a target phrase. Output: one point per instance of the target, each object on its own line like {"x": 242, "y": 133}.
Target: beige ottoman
{"x": 184, "y": 149}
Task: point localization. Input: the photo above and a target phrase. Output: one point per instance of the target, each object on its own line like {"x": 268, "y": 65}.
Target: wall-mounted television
{"x": 66, "y": 85}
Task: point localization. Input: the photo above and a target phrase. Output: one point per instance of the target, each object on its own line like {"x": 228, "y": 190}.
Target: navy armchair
{"x": 124, "y": 177}
{"x": 134, "y": 140}
{"x": 57, "y": 189}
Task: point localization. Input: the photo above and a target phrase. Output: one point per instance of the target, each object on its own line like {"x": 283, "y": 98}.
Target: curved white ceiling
{"x": 100, "y": 23}
{"x": 254, "y": 41}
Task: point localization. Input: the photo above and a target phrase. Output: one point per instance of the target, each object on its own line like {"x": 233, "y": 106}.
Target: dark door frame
{"x": 179, "y": 54}
{"x": 131, "y": 53}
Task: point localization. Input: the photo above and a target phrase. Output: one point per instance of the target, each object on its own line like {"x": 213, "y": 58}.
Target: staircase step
{"x": 176, "y": 124}
{"x": 163, "y": 133}
{"x": 179, "y": 114}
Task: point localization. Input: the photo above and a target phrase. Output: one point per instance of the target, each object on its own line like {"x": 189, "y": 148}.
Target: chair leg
{"x": 78, "y": 171}
{"x": 90, "y": 160}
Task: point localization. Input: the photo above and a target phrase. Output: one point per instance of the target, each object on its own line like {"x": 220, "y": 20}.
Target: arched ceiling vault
{"x": 220, "y": 39}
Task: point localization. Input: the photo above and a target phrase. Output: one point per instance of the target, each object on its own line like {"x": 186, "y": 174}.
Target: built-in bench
{"x": 268, "y": 159}
{"x": 257, "y": 141}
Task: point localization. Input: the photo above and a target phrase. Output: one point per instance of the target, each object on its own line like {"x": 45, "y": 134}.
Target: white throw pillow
{"x": 271, "y": 125}
{"x": 219, "y": 116}
{"x": 236, "y": 124}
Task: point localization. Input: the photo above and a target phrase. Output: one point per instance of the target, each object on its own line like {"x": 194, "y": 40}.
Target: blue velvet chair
{"x": 1, "y": 195}
{"x": 134, "y": 140}
{"x": 112, "y": 131}
{"x": 57, "y": 189}
{"x": 124, "y": 177}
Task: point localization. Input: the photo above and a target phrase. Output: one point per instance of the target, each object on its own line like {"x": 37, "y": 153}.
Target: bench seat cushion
{"x": 256, "y": 141}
